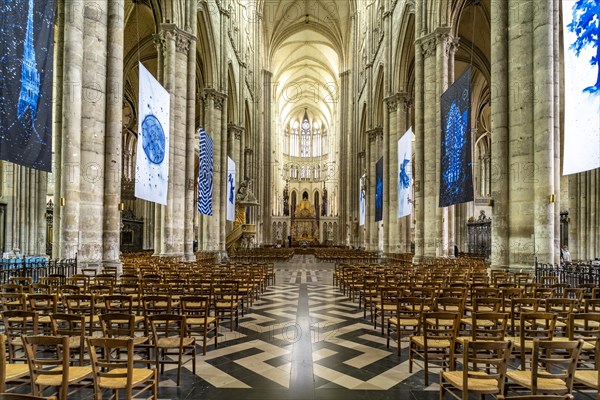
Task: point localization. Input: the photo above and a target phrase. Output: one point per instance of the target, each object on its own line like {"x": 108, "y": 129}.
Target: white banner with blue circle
{"x": 230, "y": 189}
{"x": 152, "y": 161}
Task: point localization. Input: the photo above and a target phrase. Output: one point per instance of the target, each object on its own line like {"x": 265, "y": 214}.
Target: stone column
{"x": 444, "y": 40}
{"x": 543, "y": 129}
{"x": 499, "y": 99}
{"x": 93, "y": 132}
{"x": 267, "y": 198}
{"x": 393, "y": 132}
{"x": 419, "y": 165}
{"x": 190, "y": 152}
{"x": 430, "y": 143}
{"x": 214, "y": 104}
{"x": 113, "y": 139}
{"x": 71, "y": 129}
{"x": 57, "y": 160}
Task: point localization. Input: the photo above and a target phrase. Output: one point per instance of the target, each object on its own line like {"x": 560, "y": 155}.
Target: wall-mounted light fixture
{"x": 121, "y": 206}
{"x": 552, "y": 198}
{"x": 62, "y": 201}
{"x": 491, "y": 202}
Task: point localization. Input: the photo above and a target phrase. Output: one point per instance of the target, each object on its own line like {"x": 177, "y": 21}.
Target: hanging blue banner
{"x": 379, "y": 190}
{"x": 205, "y": 174}
{"x": 456, "y": 175}
{"x": 27, "y": 49}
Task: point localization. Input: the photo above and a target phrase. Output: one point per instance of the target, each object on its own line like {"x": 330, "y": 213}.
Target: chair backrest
{"x": 43, "y": 304}
{"x": 489, "y": 326}
{"x": 81, "y": 304}
{"x": 156, "y": 304}
{"x": 537, "y": 325}
{"x": 13, "y": 301}
{"x": 489, "y": 356}
{"x": 118, "y": 303}
{"x": 519, "y": 306}
{"x": 44, "y": 355}
{"x": 487, "y": 304}
{"x": 2, "y": 362}
{"x": 195, "y": 306}
{"x": 71, "y": 325}
{"x": 105, "y": 366}
{"x": 168, "y": 326}
{"x": 116, "y": 325}
{"x": 440, "y": 325}
{"x": 450, "y": 304}
{"x": 555, "y": 360}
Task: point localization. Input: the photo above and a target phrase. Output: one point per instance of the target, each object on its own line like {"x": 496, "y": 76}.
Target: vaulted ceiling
{"x": 306, "y": 42}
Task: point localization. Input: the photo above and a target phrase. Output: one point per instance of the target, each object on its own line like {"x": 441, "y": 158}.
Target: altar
{"x": 305, "y": 226}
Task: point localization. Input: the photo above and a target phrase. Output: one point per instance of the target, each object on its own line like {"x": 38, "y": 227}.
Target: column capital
{"x": 427, "y": 45}
{"x": 218, "y": 97}
{"x": 375, "y": 133}
{"x": 236, "y": 130}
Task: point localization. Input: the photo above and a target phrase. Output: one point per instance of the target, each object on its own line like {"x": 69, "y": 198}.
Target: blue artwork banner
{"x": 152, "y": 159}
{"x": 405, "y": 177}
{"x": 362, "y": 202}
{"x": 581, "y": 30}
{"x": 205, "y": 174}
{"x": 456, "y": 168}
{"x": 27, "y": 48}
{"x": 230, "y": 189}
{"x": 379, "y": 190}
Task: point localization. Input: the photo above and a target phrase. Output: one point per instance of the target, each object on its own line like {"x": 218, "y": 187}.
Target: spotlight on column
{"x": 62, "y": 201}
{"x": 121, "y": 206}
{"x": 552, "y": 198}
{"x": 491, "y": 202}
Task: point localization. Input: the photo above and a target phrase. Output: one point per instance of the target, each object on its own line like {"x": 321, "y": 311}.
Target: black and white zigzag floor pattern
{"x": 265, "y": 356}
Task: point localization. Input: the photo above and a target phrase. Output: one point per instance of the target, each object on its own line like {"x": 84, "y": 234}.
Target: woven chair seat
{"x": 138, "y": 376}
{"x": 405, "y": 321}
{"x": 16, "y": 371}
{"x": 436, "y": 343}
{"x": 173, "y": 342}
{"x": 75, "y": 375}
{"x": 481, "y": 385}
{"x": 523, "y": 378}
{"x": 200, "y": 321}
{"x": 587, "y": 377}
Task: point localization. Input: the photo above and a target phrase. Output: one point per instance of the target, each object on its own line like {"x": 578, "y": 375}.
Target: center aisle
{"x": 302, "y": 340}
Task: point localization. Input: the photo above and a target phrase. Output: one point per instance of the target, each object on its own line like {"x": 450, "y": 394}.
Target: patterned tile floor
{"x": 303, "y": 340}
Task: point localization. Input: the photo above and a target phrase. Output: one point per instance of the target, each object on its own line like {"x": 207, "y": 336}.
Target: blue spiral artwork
{"x": 153, "y": 139}
{"x": 205, "y": 174}
{"x": 27, "y": 48}
{"x": 585, "y": 24}
{"x": 456, "y": 176}
{"x": 379, "y": 190}
{"x": 152, "y": 158}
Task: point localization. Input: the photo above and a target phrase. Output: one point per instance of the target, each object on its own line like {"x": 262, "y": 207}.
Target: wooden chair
{"x": 535, "y": 325}
{"x": 590, "y": 378}
{"x": 83, "y": 304}
{"x": 196, "y": 310}
{"x": 16, "y": 324}
{"x": 227, "y": 302}
{"x": 10, "y": 373}
{"x": 119, "y": 373}
{"x": 169, "y": 333}
{"x": 484, "y": 370}
{"x": 552, "y": 368}
{"x": 386, "y": 304}
{"x": 47, "y": 371}
{"x": 437, "y": 341}
{"x": 409, "y": 314}
{"x": 73, "y": 326}
{"x": 44, "y": 305}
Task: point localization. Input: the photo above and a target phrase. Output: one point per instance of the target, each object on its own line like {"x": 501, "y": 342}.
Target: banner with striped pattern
{"x": 205, "y": 174}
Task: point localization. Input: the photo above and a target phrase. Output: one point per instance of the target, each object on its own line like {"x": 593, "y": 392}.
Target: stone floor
{"x": 303, "y": 340}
